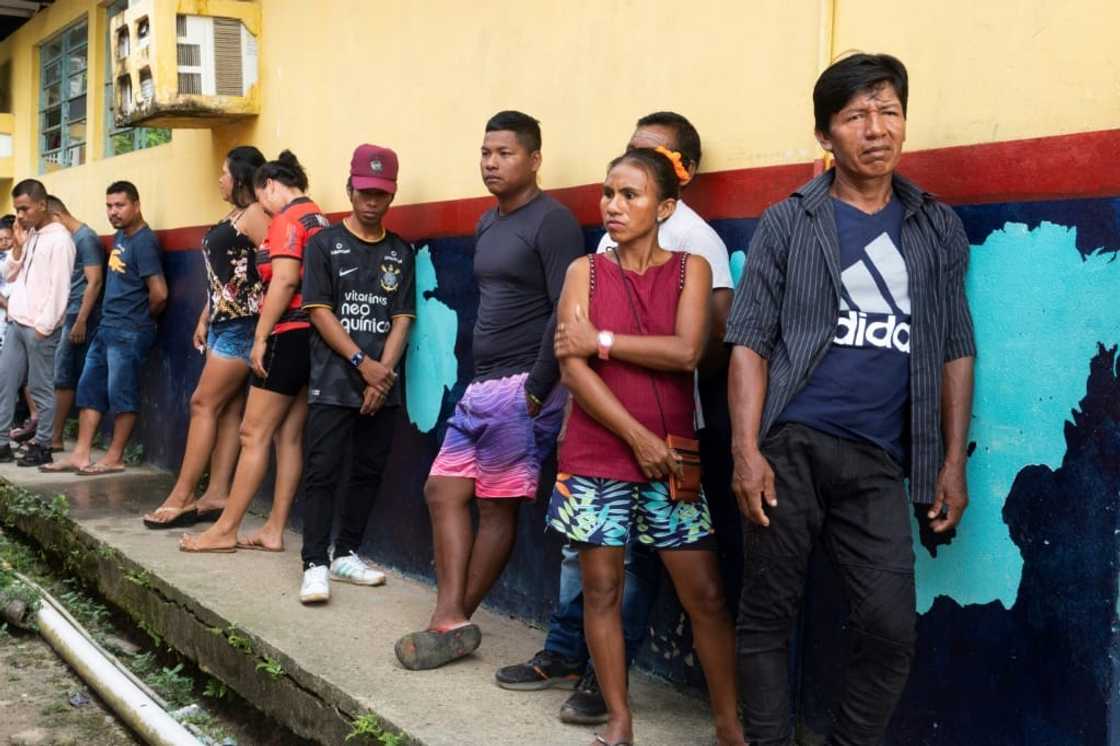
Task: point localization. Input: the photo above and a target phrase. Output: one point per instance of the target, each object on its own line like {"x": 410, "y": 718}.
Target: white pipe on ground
{"x": 143, "y": 715}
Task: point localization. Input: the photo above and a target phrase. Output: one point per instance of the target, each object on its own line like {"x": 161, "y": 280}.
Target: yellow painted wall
{"x": 991, "y": 70}
{"x": 423, "y": 78}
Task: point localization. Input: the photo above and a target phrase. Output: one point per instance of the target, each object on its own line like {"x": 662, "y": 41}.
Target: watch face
{"x": 606, "y": 339}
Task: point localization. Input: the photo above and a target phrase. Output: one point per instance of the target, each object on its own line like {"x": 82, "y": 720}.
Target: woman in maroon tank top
{"x": 632, "y": 328}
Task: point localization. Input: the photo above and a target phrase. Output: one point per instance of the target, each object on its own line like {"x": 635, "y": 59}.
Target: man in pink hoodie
{"x": 38, "y": 273}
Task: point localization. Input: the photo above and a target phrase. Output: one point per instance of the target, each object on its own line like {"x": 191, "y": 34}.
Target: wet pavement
{"x": 342, "y": 653}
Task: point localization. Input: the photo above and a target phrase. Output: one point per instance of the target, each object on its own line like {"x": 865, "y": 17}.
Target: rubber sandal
{"x": 209, "y": 550}
{"x": 429, "y": 648}
{"x": 209, "y": 516}
{"x": 599, "y": 739}
{"x": 59, "y": 468}
{"x": 93, "y": 470}
{"x": 186, "y": 517}
{"x": 256, "y": 547}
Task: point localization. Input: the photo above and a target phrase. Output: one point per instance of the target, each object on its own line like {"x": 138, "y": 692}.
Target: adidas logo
{"x": 857, "y": 329}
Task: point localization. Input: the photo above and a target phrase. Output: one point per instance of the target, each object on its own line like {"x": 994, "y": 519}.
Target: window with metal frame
{"x": 124, "y": 139}
{"x": 63, "y": 104}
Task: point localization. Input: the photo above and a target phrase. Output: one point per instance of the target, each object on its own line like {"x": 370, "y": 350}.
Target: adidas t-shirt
{"x": 861, "y": 388}
{"x": 288, "y": 234}
{"x": 366, "y": 285}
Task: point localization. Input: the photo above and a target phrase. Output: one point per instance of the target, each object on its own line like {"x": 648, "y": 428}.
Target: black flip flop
{"x": 429, "y": 648}
{"x": 208, "y": 516}
{"x": 187, "y": 517}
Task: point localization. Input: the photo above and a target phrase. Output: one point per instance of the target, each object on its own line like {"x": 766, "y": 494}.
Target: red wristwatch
{"x": 606, "y": 342}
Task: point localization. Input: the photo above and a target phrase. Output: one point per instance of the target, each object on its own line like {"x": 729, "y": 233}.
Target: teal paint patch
{"x": 1039, "y": 307}
{"x": 431, "y": 367}
{"x": 738, "y": 263}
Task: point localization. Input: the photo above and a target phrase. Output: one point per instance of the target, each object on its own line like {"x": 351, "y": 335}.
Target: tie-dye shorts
{"x": 611, "y": 513}
{"x": 492, "y": 440}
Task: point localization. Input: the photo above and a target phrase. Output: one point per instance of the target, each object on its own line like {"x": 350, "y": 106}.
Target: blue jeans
{"x": 70, "y": 358}
{"x": 642, "y": 580}
{"x": 110, "y": 381}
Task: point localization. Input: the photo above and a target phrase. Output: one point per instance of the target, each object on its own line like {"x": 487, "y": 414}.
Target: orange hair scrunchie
{"x": 675, "y": 158}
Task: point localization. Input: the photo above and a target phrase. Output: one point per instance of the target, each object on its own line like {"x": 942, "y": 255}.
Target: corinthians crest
{"x": 390, "y": 278}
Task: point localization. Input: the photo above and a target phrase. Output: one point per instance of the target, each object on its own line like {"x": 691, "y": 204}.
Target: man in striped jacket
{"x": 851, "y": 372}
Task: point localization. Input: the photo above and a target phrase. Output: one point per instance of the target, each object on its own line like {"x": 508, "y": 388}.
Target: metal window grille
{"x": 63, "y": 80}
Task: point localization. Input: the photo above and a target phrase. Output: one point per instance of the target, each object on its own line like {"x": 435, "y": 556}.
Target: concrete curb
{"x": 305, "y": 703}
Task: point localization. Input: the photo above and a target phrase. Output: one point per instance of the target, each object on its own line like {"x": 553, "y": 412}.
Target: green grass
{"x": 368, "y": 728}
{"x": 271, "y": 667}
{"x": 134, "y": 454}
{"x": 141, "y": 578}
{"x": 215, "y": 689}
{"x": 173, "y": 685}
{"x": 238, "y": 641}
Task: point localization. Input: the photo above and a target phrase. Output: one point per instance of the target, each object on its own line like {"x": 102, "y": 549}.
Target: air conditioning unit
{"x": 185, "y": 63}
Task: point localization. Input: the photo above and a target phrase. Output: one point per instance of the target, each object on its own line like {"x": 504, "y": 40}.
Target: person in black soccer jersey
{"x": 358, "y": 288}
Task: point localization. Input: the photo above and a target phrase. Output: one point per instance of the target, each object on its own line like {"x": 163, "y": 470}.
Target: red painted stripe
{"x": 1047, "y": 168}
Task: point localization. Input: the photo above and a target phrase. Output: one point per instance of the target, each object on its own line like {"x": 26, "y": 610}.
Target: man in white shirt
{"x": 564, "y": 660}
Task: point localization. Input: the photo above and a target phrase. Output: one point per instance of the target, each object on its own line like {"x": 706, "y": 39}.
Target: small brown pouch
{"x": 686, "y": 487}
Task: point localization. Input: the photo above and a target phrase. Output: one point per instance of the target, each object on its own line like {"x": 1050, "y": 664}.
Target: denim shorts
{"x": 110, "y": 380}
{"x": 232, "y": 339}
{"x": 70, "y": 358}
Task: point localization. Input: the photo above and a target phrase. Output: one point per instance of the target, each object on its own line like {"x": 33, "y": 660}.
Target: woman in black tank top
{"x": 224, "y": 334}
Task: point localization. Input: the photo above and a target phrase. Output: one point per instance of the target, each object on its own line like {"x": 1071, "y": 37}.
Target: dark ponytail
{"x": 286, "y": 169}
{"x": 243, "y": 162}
{"x": 657, "y": 166}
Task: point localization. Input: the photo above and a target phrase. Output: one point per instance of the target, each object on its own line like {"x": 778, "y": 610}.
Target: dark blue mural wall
{"x": 1017, "y": 609}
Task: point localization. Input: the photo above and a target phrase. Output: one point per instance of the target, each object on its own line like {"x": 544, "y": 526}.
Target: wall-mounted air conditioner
{"x": 185, "y": 63}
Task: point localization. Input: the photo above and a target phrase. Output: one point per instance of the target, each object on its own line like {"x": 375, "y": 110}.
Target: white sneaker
{"x": 316, "y": 588}
{"x": 353, "y": 569}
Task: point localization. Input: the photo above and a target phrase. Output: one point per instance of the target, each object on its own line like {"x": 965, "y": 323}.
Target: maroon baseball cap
{"x": 374, "y": 167}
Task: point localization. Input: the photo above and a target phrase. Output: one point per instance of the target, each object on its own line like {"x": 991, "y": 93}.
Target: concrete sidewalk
{"x": 238, "y": 615}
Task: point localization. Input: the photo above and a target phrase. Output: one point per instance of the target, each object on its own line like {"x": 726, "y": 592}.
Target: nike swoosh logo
{"x": 344, "y": 272}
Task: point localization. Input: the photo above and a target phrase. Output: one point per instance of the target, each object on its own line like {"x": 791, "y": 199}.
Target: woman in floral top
{"x": 224, "y": 334}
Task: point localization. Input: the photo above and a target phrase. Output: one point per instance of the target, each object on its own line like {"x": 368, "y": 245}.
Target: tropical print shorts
{"x": 608, "y": 512}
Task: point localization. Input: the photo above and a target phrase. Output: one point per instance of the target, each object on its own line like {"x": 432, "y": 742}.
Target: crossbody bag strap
{"x": 641, "y": 328}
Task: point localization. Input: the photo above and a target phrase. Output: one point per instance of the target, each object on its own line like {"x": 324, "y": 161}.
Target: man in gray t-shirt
{"x": 563, "y": 661}
{"x": 83, "y": 311}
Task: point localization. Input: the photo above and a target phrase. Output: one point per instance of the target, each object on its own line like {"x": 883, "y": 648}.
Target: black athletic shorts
{"x": 287, "y": 359}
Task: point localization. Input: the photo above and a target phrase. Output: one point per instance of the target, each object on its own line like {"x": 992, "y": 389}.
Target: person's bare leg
{"x": 122, "y": 430}
{"x": 695, "y": 576}
{"x": 497, "y": 531}
{"x": 603, "y": 572}
{"x": 264, "y": 411}
{"x": 88, "y": 422}
{"x": 63, "y": 403}
{"x": 221, "y": 380}
{"x": 449, "y": 500}
{"x": 289, "y": 469}
{"x": 223, "y": 461}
